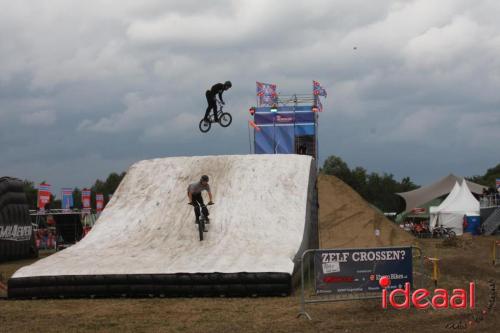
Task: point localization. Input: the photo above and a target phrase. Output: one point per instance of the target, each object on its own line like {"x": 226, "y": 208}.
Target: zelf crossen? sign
{"x": 342, "y": 271}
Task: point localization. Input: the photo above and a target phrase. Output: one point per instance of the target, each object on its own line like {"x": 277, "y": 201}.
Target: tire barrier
{"x": 17, "y": 239}
{"x": 152, "y": 285}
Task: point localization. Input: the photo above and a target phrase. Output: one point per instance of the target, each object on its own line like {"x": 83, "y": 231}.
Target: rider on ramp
{"x": 195, "y": 198}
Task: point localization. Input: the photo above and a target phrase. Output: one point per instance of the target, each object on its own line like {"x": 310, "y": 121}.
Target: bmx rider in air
{"x": 217, "y": 89}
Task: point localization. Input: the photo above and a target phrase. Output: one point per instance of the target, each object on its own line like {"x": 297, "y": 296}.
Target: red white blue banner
{"x": 86, "y": 199}
{"x": 99, "y": 202}
{"x": 44, "y": 192}
{"x": 67, "y": 198}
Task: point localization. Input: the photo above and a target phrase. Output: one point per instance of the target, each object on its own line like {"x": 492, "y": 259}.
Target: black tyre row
{"x": 153, "y": 285}
{"x": 14, "y": 211}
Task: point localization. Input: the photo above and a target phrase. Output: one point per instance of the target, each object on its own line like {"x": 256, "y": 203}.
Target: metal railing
{"x": 487, "y": 201}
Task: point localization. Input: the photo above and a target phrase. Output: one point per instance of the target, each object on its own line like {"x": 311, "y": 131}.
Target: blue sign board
{"x": 342, "y": 271}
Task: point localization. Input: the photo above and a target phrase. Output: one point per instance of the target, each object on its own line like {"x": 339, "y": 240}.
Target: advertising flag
{"x": 43, "y": 195}
{"x": 498, "y": 182}
{"x": 99, "y": 202}
{"x": 67, "y": 198}
{"x": 86, "y": 199}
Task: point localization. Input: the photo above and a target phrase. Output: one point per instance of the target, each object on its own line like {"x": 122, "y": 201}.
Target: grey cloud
{"x": 102, "y": 84}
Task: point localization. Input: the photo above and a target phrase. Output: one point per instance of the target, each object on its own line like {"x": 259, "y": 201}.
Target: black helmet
{"x": 204, "y": 178}
{"x": 228, "y": 84}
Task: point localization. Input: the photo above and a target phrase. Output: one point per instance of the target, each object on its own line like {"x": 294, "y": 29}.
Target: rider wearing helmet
{"x": 217, "y": 89}
{"x": 195, "y": 198}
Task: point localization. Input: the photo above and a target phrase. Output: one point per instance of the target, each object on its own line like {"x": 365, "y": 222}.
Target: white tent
{"x": 451, "y": 212}
{"x": 434, "y": 210}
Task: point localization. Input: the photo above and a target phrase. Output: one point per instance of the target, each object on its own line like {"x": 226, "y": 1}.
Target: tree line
{"x": 489, "y": 178}
{"x": 105, "y": 187}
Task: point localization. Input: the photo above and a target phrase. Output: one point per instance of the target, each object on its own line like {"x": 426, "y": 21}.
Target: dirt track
{"x": 343, "y": 215}
{"x": 347, "y": 220}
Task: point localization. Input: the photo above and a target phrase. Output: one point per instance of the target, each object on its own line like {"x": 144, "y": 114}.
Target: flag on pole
{"x": 44, "y": 193}
{"x": 86, "y": 199}
{"x": 67, "y": 198}
{"x": 99, "y": 202}
{"x": 267, "y": 93}
{"x": 318, "y": 90}
{"x": 319, "y": 104}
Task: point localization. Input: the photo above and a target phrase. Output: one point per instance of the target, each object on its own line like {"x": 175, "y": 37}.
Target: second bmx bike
{"x": 224, "y": 119}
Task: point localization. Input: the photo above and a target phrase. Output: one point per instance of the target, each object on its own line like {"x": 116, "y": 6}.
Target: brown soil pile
{"x": 347, "y": 220}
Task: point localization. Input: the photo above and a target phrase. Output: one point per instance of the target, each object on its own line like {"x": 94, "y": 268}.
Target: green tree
{"x": 489, "y": 178}
{"x": 31, "y": 193}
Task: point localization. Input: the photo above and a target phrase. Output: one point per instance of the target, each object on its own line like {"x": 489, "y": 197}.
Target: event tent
{"x": 451, "y": 212}
{"x": 424, "y": 194}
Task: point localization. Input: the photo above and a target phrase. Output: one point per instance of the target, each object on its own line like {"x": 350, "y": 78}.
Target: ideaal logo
{"x": 441, "y": 299}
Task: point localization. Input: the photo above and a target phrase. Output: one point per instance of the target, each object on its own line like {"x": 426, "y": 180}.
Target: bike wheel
{"x": 452, "y": 234}
{"x": 225, "y": 119}
{"x": 205, "y": 126}
{"x": 201, "y": 227}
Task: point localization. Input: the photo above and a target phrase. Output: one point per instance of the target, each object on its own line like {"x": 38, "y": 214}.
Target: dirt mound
{"x": 347, "y": 220}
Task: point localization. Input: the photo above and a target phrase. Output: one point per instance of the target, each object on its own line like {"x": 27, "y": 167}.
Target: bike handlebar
{"x": 208, "y": 204}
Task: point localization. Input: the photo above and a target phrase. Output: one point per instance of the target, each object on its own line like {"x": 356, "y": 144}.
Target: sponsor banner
{"x": 43, "y": 195}
{"x": 418, "y": 210}
{"x": 67, "y": 198}
{"x": 99, "y": 202}
{"x": 15, "y": 232}
{"x": 284, "y": 118}
{"x": 86, "y": 199}
{"x": 344, "y": 271}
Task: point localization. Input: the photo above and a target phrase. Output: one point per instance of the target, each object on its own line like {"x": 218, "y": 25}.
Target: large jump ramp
{"x": 145, "y": 243}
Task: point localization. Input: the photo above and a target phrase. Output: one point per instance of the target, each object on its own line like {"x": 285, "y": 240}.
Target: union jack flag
{"x": 318, "y": 90}
{"x": 267, "y": 93}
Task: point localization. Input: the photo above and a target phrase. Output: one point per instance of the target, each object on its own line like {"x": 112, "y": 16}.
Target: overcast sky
{"x": 90, "y": 87}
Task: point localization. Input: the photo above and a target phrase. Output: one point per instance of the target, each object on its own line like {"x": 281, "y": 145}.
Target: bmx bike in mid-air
{"x": 225, "y": 119}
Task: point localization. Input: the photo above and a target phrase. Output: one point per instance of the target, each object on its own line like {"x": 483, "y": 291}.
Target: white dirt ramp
{"x": 146, "y": 237}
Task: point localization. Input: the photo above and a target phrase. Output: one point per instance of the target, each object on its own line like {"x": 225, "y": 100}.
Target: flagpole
{"x": 249, "y": 140}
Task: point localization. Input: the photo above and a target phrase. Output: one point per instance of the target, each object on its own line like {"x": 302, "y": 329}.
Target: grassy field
{"x": 468, "y": 260}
